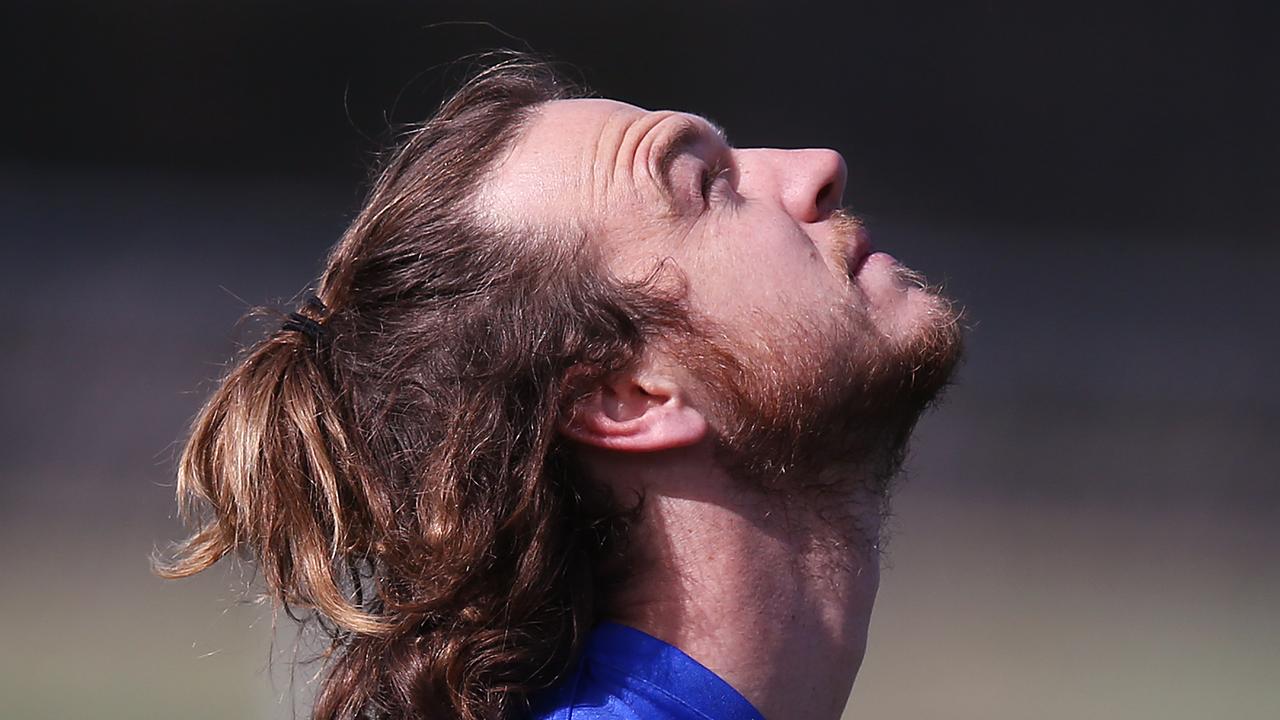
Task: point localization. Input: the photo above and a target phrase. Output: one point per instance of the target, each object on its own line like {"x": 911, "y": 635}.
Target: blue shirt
{"x": 624, "y": 673}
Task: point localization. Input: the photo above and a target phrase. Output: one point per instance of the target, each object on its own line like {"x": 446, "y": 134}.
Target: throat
{"x": 773, "y": 598}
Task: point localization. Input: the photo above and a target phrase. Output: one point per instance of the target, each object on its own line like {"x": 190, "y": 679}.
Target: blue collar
{"x": 626, "y": 673}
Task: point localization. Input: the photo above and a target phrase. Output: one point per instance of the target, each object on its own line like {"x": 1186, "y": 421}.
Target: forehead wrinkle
{"x": 601, "y": 158}
{"x": 658, "y": 160}
{"x": 633, "y": 145}
{"x": 604, "y": 155}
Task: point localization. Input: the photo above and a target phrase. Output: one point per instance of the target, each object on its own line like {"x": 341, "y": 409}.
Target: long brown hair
{"x": 391, "y": 462}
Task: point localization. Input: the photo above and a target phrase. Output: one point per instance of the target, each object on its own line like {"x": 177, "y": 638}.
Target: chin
{"x": 908, "y": 314}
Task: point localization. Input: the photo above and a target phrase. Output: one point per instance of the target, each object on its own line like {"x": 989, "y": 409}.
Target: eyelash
{"x": 707, "y": 178}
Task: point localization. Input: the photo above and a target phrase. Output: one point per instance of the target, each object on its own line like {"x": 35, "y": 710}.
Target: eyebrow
{"x": 689, "y": 134}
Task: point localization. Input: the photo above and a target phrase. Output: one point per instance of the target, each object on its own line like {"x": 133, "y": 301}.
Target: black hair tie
{"x": 307, "y": 325}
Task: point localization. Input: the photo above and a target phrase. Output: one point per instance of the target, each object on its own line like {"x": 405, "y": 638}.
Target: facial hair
{"x": 838, "y": 407}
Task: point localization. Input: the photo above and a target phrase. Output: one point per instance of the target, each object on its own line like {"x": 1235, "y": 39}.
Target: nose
{"x": 810, "y": 183}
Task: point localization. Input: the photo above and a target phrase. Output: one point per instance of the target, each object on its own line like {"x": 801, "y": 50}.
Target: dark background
{"x": 1090, "y": 527}
{"x": 1106, "y": 115}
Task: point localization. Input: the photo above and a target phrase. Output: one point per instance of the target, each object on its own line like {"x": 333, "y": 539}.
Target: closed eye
{"x": 693, "y": 137}
{"x": 708, "y": 177}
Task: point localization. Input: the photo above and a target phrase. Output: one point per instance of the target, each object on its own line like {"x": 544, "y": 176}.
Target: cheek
{"x": 766, "y": 264}
{"x": 785, "y": 248}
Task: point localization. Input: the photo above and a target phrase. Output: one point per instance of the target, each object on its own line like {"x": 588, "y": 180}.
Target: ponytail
{"x": 273, "y": 457}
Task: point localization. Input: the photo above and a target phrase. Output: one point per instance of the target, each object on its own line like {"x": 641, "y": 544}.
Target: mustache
{"x": 848, "y": 229}
{"x": 846, "y": 223}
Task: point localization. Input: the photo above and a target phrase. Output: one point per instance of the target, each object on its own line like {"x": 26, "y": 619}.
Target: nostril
{"x": 824, "y": 199}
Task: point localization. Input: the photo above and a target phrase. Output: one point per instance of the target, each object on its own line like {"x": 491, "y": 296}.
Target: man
{"x": 592, "y": 416}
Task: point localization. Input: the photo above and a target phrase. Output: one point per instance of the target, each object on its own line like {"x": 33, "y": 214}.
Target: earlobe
{"x": 628, "y": 417}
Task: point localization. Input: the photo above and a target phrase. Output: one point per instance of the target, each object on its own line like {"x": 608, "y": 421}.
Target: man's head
{"x": 807, "y": 348}
{"x": 539, "y": 290}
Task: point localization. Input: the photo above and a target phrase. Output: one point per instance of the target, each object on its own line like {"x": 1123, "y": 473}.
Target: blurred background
{"x": 1091, "y": 523}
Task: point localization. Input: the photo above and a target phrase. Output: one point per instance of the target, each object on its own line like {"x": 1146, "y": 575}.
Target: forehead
{"x": 577, "y": 160}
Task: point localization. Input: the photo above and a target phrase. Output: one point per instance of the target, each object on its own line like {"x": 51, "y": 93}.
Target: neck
{"x": 772, "y": 596}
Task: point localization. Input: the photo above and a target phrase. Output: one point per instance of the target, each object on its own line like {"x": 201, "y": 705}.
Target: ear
{"x": 631, "y": 413}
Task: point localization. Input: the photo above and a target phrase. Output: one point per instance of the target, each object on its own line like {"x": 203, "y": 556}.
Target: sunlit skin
{"x": 773, "y": 598}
